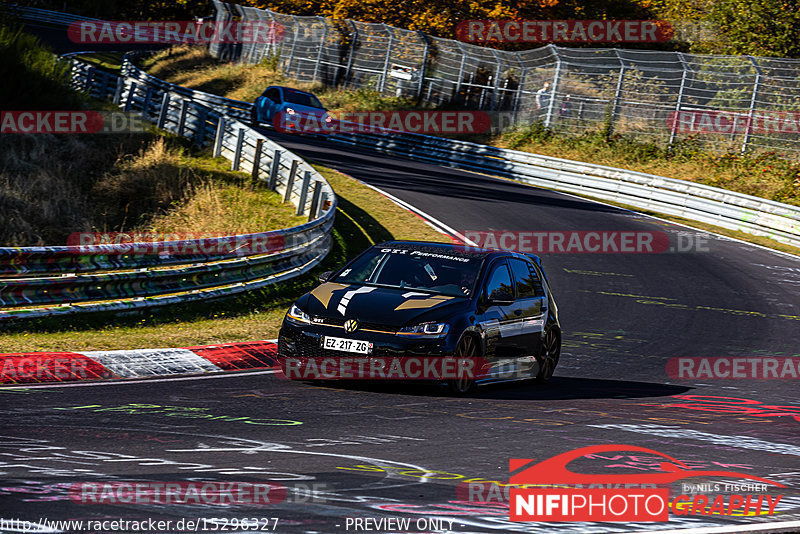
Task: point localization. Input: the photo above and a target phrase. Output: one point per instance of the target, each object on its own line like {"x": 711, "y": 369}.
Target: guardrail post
{"x": 753, "y": 100}
{"x": 218, "y": 136}
{"x": 162, "y": 113}
{"x": 200, "y": 133}
{"x": 257, "y": 158}
{"x": 148, "y": 95}
{"x": 237, "y": 153}
{"x": 182, "y": 118}
{"x": 290, "y": 182}
{"x": 118, "y": 92}
{"x": 301, "y": 204}
{"x": 312, "y": 213}
{"x": 131, "y": 95}
{"x": 273, "y": 172}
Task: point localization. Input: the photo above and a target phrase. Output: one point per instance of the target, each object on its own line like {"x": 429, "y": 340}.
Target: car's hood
{"x": 385, "y": 306}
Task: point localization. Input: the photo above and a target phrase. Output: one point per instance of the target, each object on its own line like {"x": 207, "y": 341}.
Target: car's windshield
{"x": 302, "y": 99}
{"x": 436, "y": 270}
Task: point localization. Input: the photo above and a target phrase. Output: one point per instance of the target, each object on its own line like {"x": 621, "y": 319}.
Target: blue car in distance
{"x": 289, "y": 106}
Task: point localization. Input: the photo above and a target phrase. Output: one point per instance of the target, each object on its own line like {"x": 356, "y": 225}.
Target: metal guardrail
{"x": 712, "y": 205}
{"x": 58, "y": 280}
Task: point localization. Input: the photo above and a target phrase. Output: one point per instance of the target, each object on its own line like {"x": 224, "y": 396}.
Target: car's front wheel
{"x": 551, "y": 352}
{"x": 253, "y": 116}
{"x": 467, "y": 348}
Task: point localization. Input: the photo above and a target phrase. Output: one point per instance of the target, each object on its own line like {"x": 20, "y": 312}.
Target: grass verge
{"x": 364, "y": 217}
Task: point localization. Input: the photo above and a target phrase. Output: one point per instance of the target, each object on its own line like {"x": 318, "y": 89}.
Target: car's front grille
{"x": 362, "y": 325}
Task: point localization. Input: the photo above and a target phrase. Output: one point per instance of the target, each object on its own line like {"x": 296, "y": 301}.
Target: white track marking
{"x": 143, "y": 380}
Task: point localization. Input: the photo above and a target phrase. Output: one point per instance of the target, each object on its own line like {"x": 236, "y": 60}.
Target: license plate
{"x": 346, "y": 345}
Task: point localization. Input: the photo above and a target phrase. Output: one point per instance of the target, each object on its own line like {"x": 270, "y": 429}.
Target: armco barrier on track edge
{"x": 20, "y": 369}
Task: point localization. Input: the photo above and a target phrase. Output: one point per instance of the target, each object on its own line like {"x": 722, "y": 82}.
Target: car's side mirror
{"x": 500, "y": 298}
{"x": 324, "y": 277}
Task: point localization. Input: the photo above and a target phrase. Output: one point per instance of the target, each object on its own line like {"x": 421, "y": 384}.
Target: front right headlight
{"x": 297, "y": 316}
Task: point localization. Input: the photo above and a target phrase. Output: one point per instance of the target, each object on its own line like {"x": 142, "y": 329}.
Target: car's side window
{"x": 274, "y": 95}
{"x": 499, "y": 280}
{"x": 526, "y": 281}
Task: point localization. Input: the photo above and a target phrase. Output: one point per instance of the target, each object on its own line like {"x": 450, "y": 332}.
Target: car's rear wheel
{"x": 467, "y": 348}
{"x": 551, "y": 352}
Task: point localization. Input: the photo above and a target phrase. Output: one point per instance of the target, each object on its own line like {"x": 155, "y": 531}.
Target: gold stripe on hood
{"x": 324, "y": 292}
{"x": 429, "y": 302}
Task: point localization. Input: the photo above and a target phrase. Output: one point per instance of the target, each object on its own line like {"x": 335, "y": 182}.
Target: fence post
{"x": 182, "y": 117}
{"x": 753, "y": 100}
{"x": 353, "y": 43}
{"x": 676, "y": 118}
{"x": 290, "y": 182}
{"x": 496, "y": 86}
{"x": 321, "y": 47}
{"x": 257, "y": 159}
{"x": 162, "y": 113}
{"x": 294, "y": 44}
{"x": 237, "y": 153}
{"x": 388, "y": 57}
{"x": 551, "y": 105}
{"x": 460, "y": 71}
{"x": 312, "y": 213}
{"x": 518, "y": 98}
{"x": 424, "y": 65}
{"x": 301, "y": 203}
{"x": 273, "y": 172}
{"x": 218, "y": 137}
{"x": 617, "y": 94}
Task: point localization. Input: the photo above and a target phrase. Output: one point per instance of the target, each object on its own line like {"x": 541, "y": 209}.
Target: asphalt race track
{"x": 414, "y": 452}
{"x": 400, "y": 451}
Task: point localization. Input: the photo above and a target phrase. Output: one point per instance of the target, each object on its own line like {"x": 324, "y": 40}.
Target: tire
{"x": 551, "y": 352}
{"x": 253, "y": 116}
{"x": 467, "y": 348}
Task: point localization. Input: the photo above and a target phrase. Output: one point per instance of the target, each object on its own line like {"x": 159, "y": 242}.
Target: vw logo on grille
{"x": 351, "y": 325}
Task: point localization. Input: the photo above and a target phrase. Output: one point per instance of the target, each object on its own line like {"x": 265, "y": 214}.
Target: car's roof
{"x": 289, "y": 89}
{"x": 455, "y": 249}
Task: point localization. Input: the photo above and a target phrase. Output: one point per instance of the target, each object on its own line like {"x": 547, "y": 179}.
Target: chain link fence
{"x": 726, "y": 103}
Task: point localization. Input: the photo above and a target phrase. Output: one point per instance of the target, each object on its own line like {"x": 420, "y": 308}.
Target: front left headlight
{"x": 426, "y": 330}
{"x": 297, "y": 316}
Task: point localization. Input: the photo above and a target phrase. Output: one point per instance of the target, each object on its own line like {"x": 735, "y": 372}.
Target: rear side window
{"x": 273, "y": 94}
{"x": 499, "y": 280}
{"x": 527, "y": 281}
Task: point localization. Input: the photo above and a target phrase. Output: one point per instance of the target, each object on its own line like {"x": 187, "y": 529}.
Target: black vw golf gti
{"x": 426, "y": 311}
